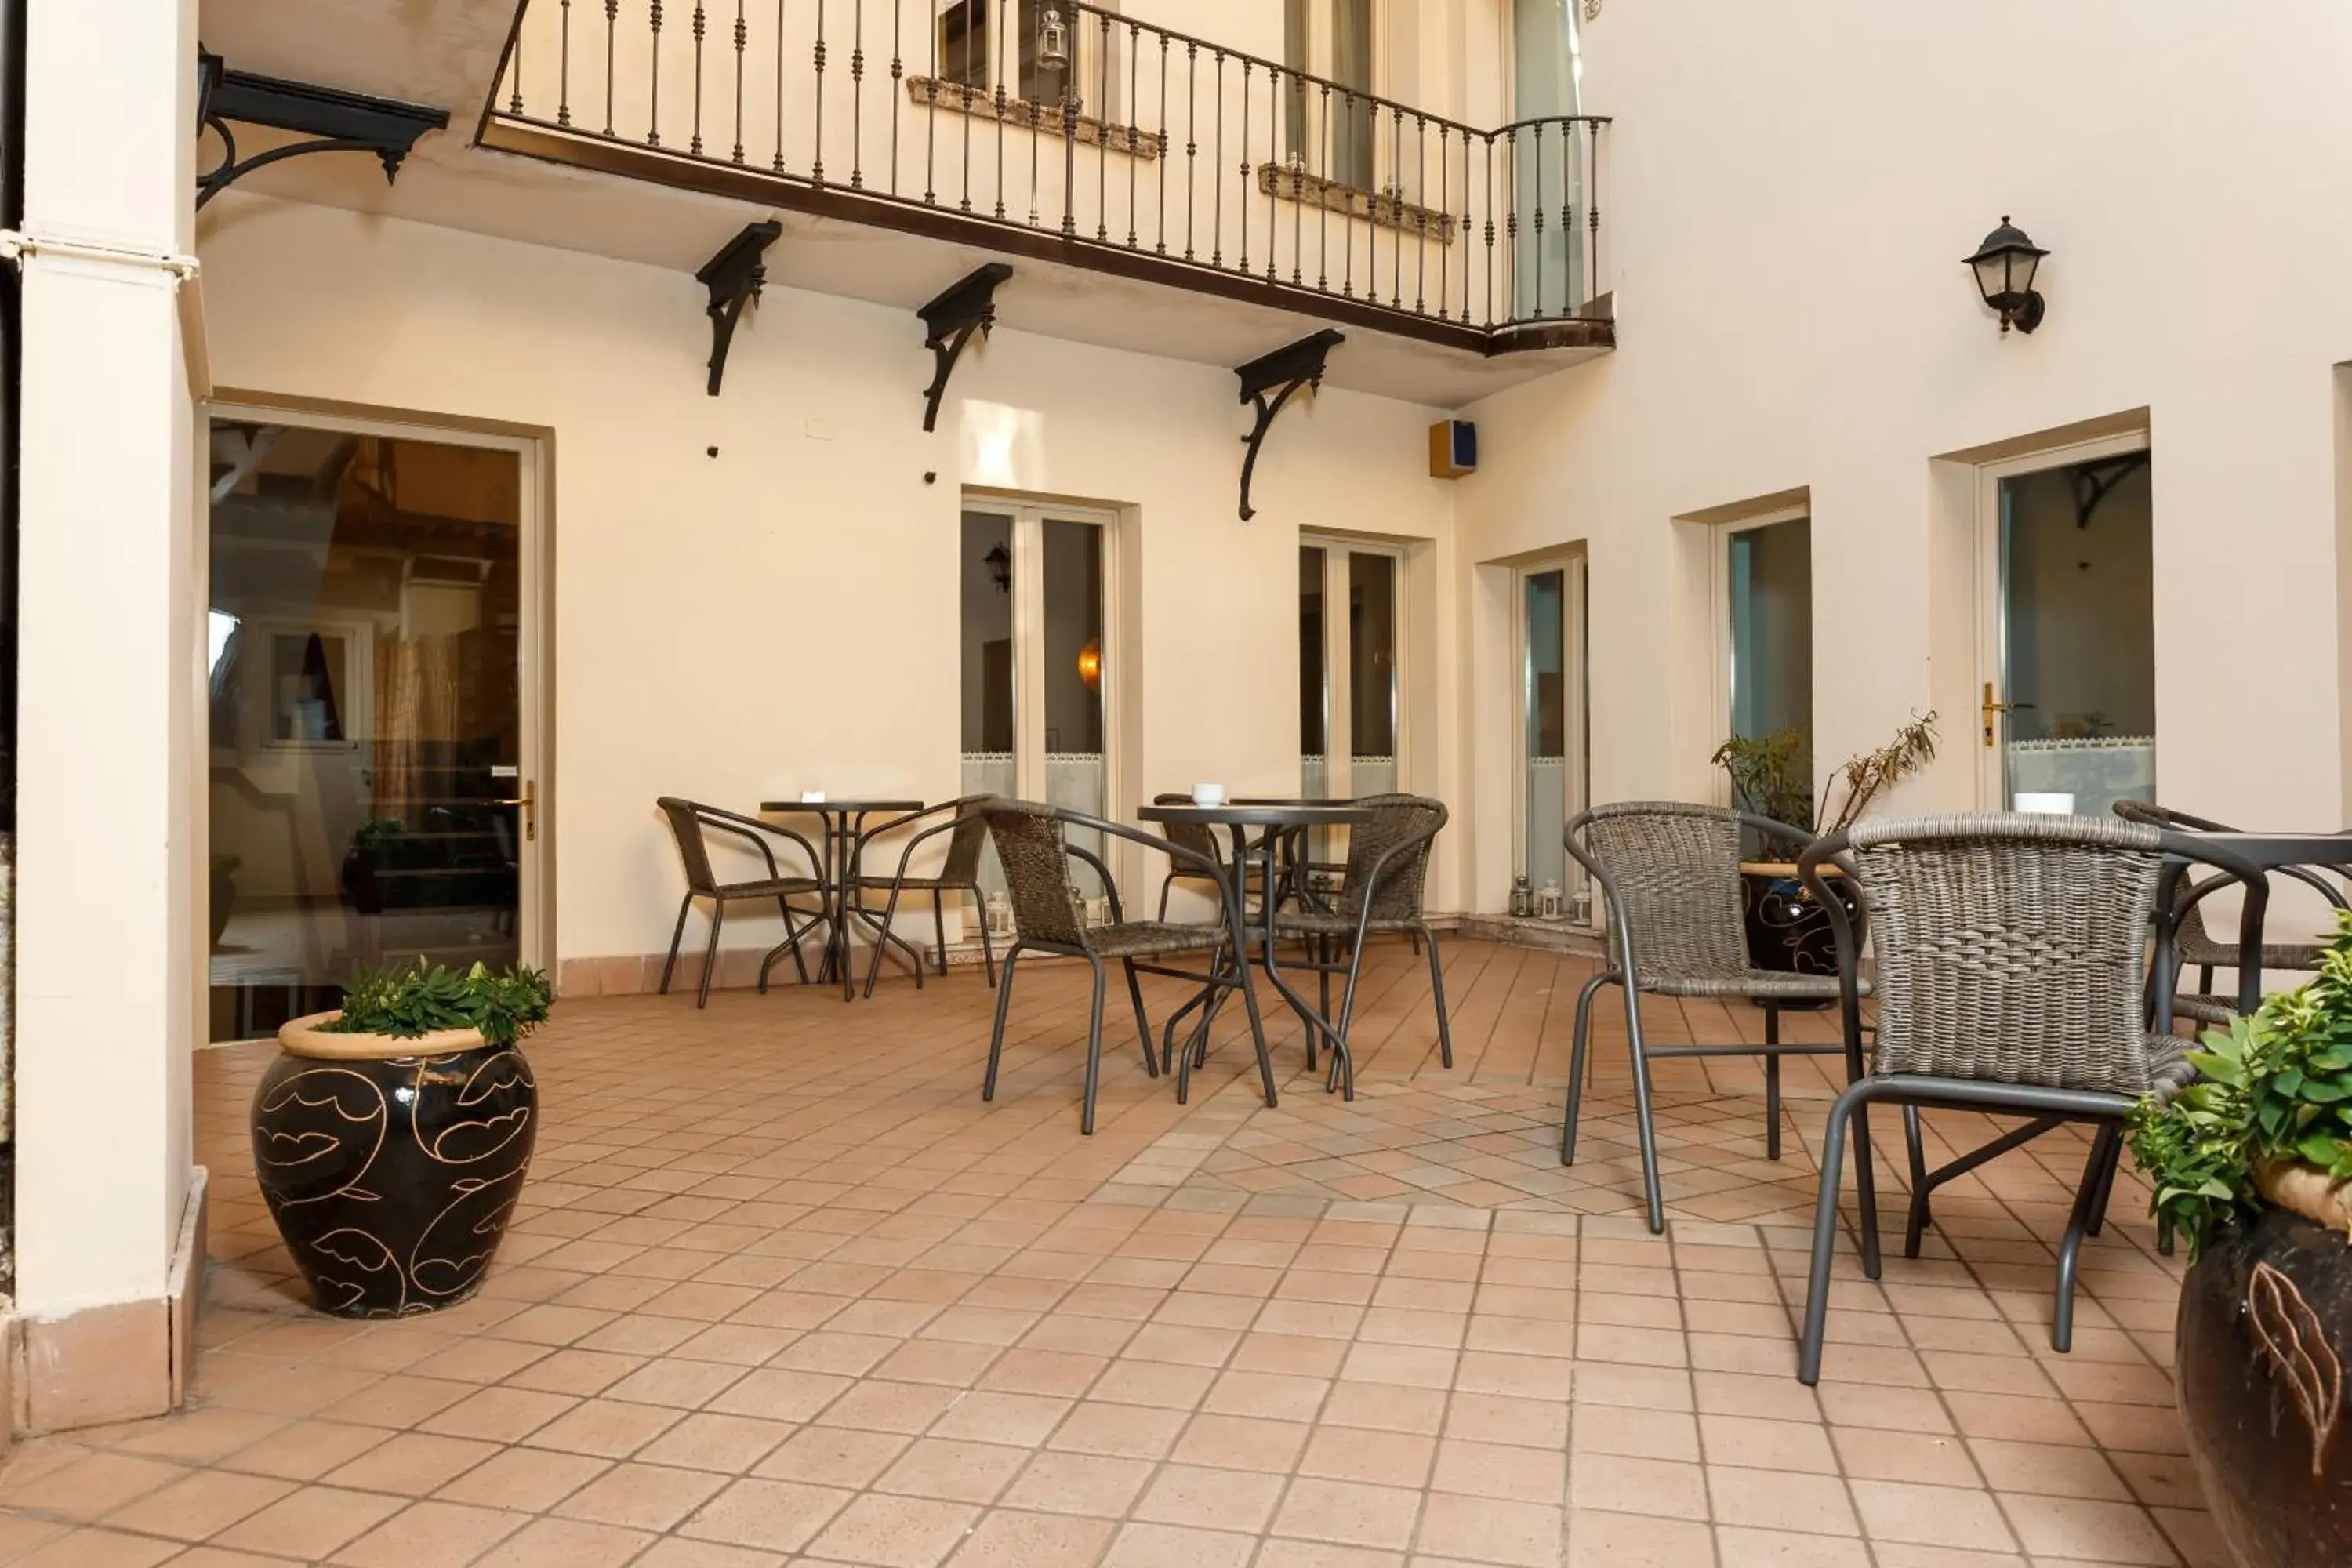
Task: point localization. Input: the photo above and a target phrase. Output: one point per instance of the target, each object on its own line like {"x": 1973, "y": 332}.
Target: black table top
{"x": 1261, "y": 814}
{"x": 839, "y": 803}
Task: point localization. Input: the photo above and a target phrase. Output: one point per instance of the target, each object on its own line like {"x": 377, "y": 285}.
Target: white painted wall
{"x": 110, "y": 663}
{"x": 1790, "y": 191}
{"x": 784, "y": 617}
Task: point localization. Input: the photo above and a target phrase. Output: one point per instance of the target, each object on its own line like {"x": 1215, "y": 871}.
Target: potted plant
{"x": 391, "y": 1138}
{"x": 2253, "y": 1165}
{"x": 1786, "y": 928}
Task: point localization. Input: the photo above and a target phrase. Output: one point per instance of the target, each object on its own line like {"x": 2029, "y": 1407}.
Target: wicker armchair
{"x": 689, "y": 821}
{"x": 1677, "y": 927}
{"x": 2193, "y": 944}
{"x": 1031, "y": 844}
{"x": 1198, "y": 843}
{"x": 1380, "y": 893}
{"x": 2011, "y": 953}
{"x": 958, "y": 873}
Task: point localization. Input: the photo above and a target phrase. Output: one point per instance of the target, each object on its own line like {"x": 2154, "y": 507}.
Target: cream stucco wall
{"x": 783, "y": 616}
{"x": 1790, "y": 191}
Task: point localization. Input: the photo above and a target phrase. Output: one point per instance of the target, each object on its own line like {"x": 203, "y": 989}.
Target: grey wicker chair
{"x": 689, "y": 821}
{"x": 1381, "y": 894}
{"x": 1198, "y": 843}
{"x": 2194, "y": 944}
{"x": 1670, "y": 872}
{"x": 958, "y": 873}
{"x": 2011, "y": 953}
{"x": 1031, "y": 844}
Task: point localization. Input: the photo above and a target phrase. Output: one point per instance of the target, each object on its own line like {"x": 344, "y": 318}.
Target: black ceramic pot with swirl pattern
{"x": 392, "y": 1166}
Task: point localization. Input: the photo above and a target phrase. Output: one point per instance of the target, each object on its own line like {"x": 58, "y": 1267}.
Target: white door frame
{"x": 1575, "y": 690}
{"x": 1992, "y": 602}
{"x": 535, "y": 871}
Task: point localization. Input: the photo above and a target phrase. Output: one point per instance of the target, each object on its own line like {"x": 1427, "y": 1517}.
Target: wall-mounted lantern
{"x": 2004, "y": 266}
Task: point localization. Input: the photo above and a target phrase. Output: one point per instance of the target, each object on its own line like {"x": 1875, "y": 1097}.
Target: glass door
{"x": 1035, "y": 659}
{"x": 373, "y": 790}
{"x": 2067, "y": 719}
{"x": 1551, "y": 783}
{"x": 1350, "y": 691}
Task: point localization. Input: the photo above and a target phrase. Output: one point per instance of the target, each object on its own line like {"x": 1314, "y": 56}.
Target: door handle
{"x": 528, "y": 800}
{"x": 1992, "y": 708}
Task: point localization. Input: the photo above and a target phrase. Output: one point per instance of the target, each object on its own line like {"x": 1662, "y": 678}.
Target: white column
{"x": 108, "y": 817}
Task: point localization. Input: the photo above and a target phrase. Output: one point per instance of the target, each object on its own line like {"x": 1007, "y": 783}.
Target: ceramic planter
{"x": 391, "y": 1165}
{"x": 1788, "y": 930}
{"x": 2264, "y": 1329}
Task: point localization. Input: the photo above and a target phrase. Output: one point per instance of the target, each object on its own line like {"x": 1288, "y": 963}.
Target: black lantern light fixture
{"x": 2005, "y": 264}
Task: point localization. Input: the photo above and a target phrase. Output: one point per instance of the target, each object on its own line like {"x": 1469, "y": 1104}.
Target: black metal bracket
{"x": 1281, "y": 372}
{"x": 2094, "y": 482}
{"x": 337, "y": 121}
{"x": 735, "y": 276}
{"x": 949, "y": 323}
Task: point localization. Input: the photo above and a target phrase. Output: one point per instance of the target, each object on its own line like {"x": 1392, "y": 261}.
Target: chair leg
{"x": 677, "y": 935}
{"x": 1343, "y": 1063}
{"x": 996, "y": 1036}
{"x": 1915, "y": 1229}
{"x": 1165, "y": 884}
{"x": 710, "y": 957}
{"x": 1576, "y": 1065}
{"x": 1142, "y": 1022}
{"x": 939, "y": 928}
{"x": 1865, "y": 1191}
{"x": 1093, "y": 1050}
{"x": 2095, "y": 1171}
{"x": 1437, "y": 990}
{"x": 2098, "y": 1217}
{"x": 882, "y": 943}
{"x": 987, "y": 943}
{"x": 1771, "y": 1083}
{"x": 1652, "y": 1187}
{"x": 793, "y": 941}
{"x": 1825, "y": 1216}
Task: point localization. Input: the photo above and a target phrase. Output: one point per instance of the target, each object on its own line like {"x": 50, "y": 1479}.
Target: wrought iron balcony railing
{"x": 1059, "y": 130}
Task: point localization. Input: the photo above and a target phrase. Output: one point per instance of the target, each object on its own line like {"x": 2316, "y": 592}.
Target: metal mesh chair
{"x": 1031, "y": 844}
{"x": 2011, "y": 952}
{"x": 689, "y": 821}
{"x": 1670, "y": 872}
{"x": 1381, "y": 894}
{"x": 2193, "y": 944}
{"x": 959, "y": 872}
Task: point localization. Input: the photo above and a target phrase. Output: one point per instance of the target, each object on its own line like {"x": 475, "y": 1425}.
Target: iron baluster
{"x": 700, "y": 27}
{"x": 1160, "y": 243}
{"x": 1348, "y": 230}
{"x": 1490, "y": 229}
{"x": 898, "y": 74}
{"x": 932, "y": 118}
{"x": 1274, "y": 120}
{"x": 1322, "y": 203}
{"x": 963, "y": 83}
{"x": 1036, "y": 122}
{"x": 1191, "y": 138}
{"x": 1421, "y": 216}
{"x": 1216, "y": 195}
{"x": 1128, "y": 131}
{"x": 1069, "y": 164}
{"x": 1444, "y": 217}
{"x": 1568, "y": 238}
{"x": 653, "y": 116}
{"x": 1592, "y": 211}
{"x": 1246, "y": 163}
{"x": 779, "y": 160}
{"x": 858, "y": 95}
{"x": 1000, "y": 148}
{"x": 1298, "y": 182}
{"x": 514, "y": 82}
{"x": 1102, "y": 127}
{"x": 562, "y": 68}
{"x": 816, "y": 155}
{"x": 743, "y": 38}
{"x": 1466, "y": 199}
{"x": 611, "y": 21}
{"x": 1537, "y": 188}
{"x": 1396, "y": 214}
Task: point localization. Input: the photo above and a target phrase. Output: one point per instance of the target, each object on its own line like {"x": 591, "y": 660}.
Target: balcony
{"x": 1112, "y": 146}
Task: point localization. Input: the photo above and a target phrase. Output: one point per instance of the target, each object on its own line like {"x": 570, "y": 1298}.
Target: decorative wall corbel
{"x": 949, "y": 323}
{"x": 337, "y": 121}
{"x": 1283, "y": 373}
{"x": 734, "y": 277}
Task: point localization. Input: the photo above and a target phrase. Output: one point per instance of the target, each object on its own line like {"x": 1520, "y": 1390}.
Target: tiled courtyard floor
{"x": 783, "y": 1290}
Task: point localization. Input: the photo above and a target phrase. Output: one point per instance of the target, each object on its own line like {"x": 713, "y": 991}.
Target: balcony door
{"x": 376, "y": 784}
{"x": 1036, "y": 658}
{"x": 1350, "y": 681}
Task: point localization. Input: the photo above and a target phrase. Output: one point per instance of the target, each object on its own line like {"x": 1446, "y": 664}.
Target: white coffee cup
{"x": 2046, "y": 803}
{"x": 812, "y": 797}
{"x": 1208, "y": 795}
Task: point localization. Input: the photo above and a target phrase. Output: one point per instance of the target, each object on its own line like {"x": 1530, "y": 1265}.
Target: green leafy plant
{"x": 374, "y": 833}
{"x": 407, "y": 1002}
{"x": 1769, "y": 777}
{"x": 2276, "y": 1089}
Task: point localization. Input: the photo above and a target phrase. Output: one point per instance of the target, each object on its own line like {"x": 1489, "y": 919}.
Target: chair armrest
{"x": 1110, "y": 888}
{"x": 1620, "y": 926}
{"x": 1380, "y": 868}
{"x": 1849, "y": 924}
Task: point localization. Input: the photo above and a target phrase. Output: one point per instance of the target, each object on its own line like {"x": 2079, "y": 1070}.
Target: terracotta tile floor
{"x": 785, "y": 1290}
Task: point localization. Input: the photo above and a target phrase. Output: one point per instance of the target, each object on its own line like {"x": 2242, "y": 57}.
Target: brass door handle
{"x": 1992, "y": 708}
{"x": 529, "y": 800}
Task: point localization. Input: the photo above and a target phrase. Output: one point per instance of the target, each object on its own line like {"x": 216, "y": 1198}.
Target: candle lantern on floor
{"x": 1551, "y": 904}
{"x": 999, "y": 915}
{"x": 1522, "y": 898}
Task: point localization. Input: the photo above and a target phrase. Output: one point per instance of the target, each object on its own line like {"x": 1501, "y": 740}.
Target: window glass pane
{"x": 1371, "y": 655}
{"x": 1312, "y": 639}
{"x": 2078, "y": 633}
{"x": 964, "y": 27}
{"x": 1076, "y": 670}
{"x": 364, "y": 627}
{"x": 985, "y": 570}
{"x": 1353, "y": 121}
{"x": 1545, "y": 700}
{"x": 1771, "y": 607}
